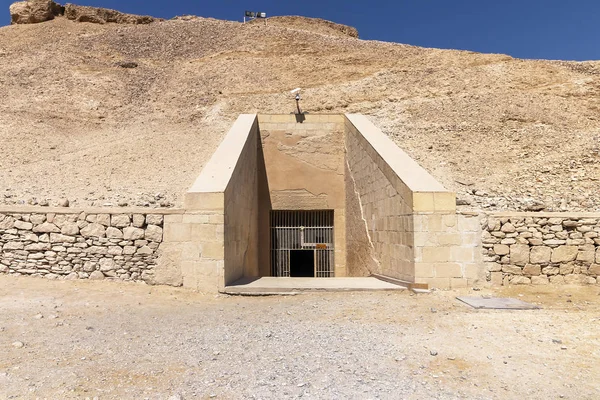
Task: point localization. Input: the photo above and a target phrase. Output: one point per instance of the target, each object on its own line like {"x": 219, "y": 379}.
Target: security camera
{"x": 295, "y": 91}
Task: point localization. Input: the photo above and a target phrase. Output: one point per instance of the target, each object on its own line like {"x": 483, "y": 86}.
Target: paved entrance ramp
{"x": 274, "y": 285}
{"x": 495, "y": 303}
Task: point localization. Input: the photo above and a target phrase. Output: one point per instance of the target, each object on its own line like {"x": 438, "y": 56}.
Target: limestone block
{"x": 496, "y": 278}
{"x": 96, "y": 276}
{"x": 97, "y": 250}
{"x": 508, "y": 228}
{"x": 69, "y": 228}
{"x": 143, "y": 251}
{"x": 103, "y": 219}
{"x": 139, "y": 220}
{"x": 448, "y": 270}
{"x": 115, "y": 250}
{"x": 587, "y": 256}
{"x": 107, "y": 264}
{"x": 215, "y": 251}
{"x": 120, "y": 221}
{"x": 154, "y": 219}
{"x": 60, "y": 238}
{"x": 89, "y": 266}
{"x": 24, "y": 226}
{"x": 37, "y": 219}
{"x": 46, "y": 227}
{"x": 594, "y": 270}
{"x": 512, "y": 270}
{"x": 576, "y": 279}
{"x": 462, "y": 254}
{"x": 520, "y": 280}
{"x": 205, "y": 233}
{"x": 540, "y": 255}
{"x": 6, "y": 222}
{"x": 598, "y": 255}
{"x": 423, "y": 202}
{"x": 473, "y": 271}
{"x": 564, "y": 254}
{"x": 132, "y": 233}
{"x": 540, "y": 280}
{"x": 38, "y": 247}
{"x": 519, "y": 254}
{"x": 93, "y": 230}
{"x": 424, "y": 270}
{"x": 493, "y": 267}
{"x": 129, "y": 250}
{"x": 436, "y": 254}
{"x": 566, "y": 269}
{"x": 13, "y": 246}
{"x": 501, "y": 249}
{"x": 458, "y": 283}
{"x": 153, "y": 233}
{"x": 532, "y": 270}
{"x": 114, "y": 233}
{"x": 177, "y": 232}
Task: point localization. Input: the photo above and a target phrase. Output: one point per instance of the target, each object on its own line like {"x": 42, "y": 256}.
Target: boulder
{"x": 34, "y": 11}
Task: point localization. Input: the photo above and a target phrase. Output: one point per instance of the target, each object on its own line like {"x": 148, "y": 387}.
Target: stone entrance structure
{"x": 391, "y": 219}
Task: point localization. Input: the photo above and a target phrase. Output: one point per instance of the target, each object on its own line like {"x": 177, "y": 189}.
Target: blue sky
{"x": 553, "y": 29}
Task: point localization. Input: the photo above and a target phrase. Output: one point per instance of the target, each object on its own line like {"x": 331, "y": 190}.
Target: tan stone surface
{"x": 519, "y": 254}
{"x": 540, "y": 255}
{"x": 563, "y": 254}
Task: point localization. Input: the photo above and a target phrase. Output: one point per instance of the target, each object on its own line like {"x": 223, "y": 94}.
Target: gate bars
{"x": 302, "y": 230}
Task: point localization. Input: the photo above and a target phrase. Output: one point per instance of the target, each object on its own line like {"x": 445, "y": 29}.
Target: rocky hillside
{"x": 129, "y": 112}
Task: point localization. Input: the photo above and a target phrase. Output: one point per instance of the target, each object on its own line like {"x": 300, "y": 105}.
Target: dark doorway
{"x": 302, "y": 263}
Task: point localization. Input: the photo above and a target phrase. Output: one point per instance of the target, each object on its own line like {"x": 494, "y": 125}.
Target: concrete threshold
{"x": 268, "y": 285}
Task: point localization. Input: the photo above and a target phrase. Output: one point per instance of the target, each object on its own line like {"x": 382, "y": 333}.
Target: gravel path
{"x": 111, "y": 341}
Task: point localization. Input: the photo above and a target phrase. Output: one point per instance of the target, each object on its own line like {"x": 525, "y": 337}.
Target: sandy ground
{"x": 111, "y": 340}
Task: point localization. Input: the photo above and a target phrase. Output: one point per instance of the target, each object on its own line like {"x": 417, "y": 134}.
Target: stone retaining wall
{"x": 541, "y": 249}
{"x": 78, "y": 245}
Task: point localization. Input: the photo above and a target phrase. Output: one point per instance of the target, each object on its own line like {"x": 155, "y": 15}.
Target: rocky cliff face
{"x": 36, "y": 11}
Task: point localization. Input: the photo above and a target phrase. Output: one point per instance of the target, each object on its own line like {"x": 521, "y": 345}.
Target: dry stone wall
{"x": 542, "y": 249}
{"x": 80, "y": 245}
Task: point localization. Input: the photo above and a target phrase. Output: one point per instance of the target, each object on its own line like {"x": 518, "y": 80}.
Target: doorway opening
{"x": 302, "y": 243}
{"x": 302, "y": 263}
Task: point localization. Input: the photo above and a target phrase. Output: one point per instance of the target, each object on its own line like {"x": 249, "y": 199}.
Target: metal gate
{"x": 302, "y": 230}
